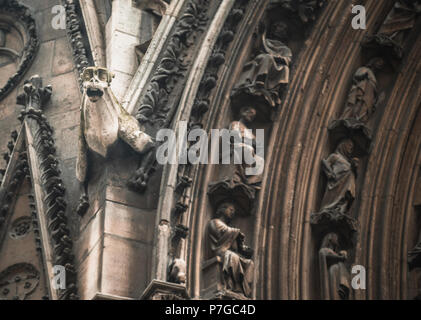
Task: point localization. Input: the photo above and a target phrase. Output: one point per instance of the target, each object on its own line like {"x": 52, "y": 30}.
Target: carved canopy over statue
{"x": 362, "y": 97}
{"x": 265, "y": 74}
{"x": 334, "y": 275}
{"x": 227, "y": 243}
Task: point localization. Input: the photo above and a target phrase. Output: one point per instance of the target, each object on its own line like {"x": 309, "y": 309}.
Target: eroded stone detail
{"x": 363, "y": 100}
{"x": 18, "y": 281}
{"x": 269, "y": 70}
{"x": 390, "y": 38}
{"x": 103, "y": 122}
{"x": 334, "y": 274}
{"x": 20, "y": 227}
{"x": 34, "y": 98}
{"x": 228, "y": 258}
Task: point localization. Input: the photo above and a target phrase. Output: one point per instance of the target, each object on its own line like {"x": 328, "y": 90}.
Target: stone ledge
{"x": 162, "y": 290}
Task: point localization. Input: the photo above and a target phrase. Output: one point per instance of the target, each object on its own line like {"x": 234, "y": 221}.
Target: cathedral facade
{"x": 210, "y": 149}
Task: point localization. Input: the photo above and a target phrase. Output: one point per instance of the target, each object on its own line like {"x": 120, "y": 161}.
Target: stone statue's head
{"x": 226, "y": 209}
{"x": 331, "y": 241}
{"x": 346, "y": 148}
{"x": 95, "y": 80}
{"x": 278, "y": 30}
{"x": 248, "y": 114}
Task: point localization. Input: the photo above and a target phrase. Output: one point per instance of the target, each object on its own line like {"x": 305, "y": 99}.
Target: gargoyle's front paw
{"x": 83, "y": 206}
{"x": 139, "y": 182}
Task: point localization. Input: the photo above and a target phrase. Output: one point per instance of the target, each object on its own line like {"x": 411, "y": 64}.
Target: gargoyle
{"x": 103, "y": 122}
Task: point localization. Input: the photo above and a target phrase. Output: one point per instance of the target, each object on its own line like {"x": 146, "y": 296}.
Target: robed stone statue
{"x": 334, "y": 275}
{"x": 228, "y": 243}
{"x": 339, "y": 169}
{"x": 269, "y": 70}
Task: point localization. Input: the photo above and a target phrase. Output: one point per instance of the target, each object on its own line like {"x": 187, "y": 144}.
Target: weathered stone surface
{"x": 121, "y": 275}
{"x": 128, "y": 222}
{"x": 127, "y": 243}
{"x": 61, "y": 62}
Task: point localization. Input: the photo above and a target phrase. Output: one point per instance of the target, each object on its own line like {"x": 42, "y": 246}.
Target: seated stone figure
{"x": 266, "y": 72}
{"x": 228, "y": 243}
{"x": 103, "y": 122}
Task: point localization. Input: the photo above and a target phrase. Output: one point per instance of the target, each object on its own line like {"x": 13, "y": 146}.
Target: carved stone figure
{"x": 228, "y": 243}
{"x": 334, "y": 275}
{"x": 363, "y": 100}
{"x": 339, "y": 169}
{"x": 177, "y": 272}
{"x": 269, "y": 70}
{"x": 363, "y": 97}
{"x": 245, "y": 143}
{"x": 414, "y": 256}
{"x": 392, "y": 32}
{"x": 103, "y": 122}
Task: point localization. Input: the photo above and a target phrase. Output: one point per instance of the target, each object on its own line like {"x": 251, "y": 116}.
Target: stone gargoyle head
{"x": 95, "y": 80}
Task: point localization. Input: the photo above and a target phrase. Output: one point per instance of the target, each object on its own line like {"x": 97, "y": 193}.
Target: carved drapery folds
{"x": 362, "y": 101}
{"x": 15, "y": 16}
{"x": 390, "y": 38}
{"x": 269, "y": 70}
{"x": 228, "y": 260}
{"x": 334, "y": 275}
{"x": 350, "y": 135}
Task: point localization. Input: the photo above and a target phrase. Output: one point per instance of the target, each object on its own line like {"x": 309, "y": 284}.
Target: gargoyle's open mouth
{"x": 94, "y": 92}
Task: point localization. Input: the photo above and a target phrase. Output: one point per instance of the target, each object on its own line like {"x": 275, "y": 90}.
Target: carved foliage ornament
{"x": 17, "y": 18}
{"x": 154, "y": 107}
{"x": 103, "y": 122}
